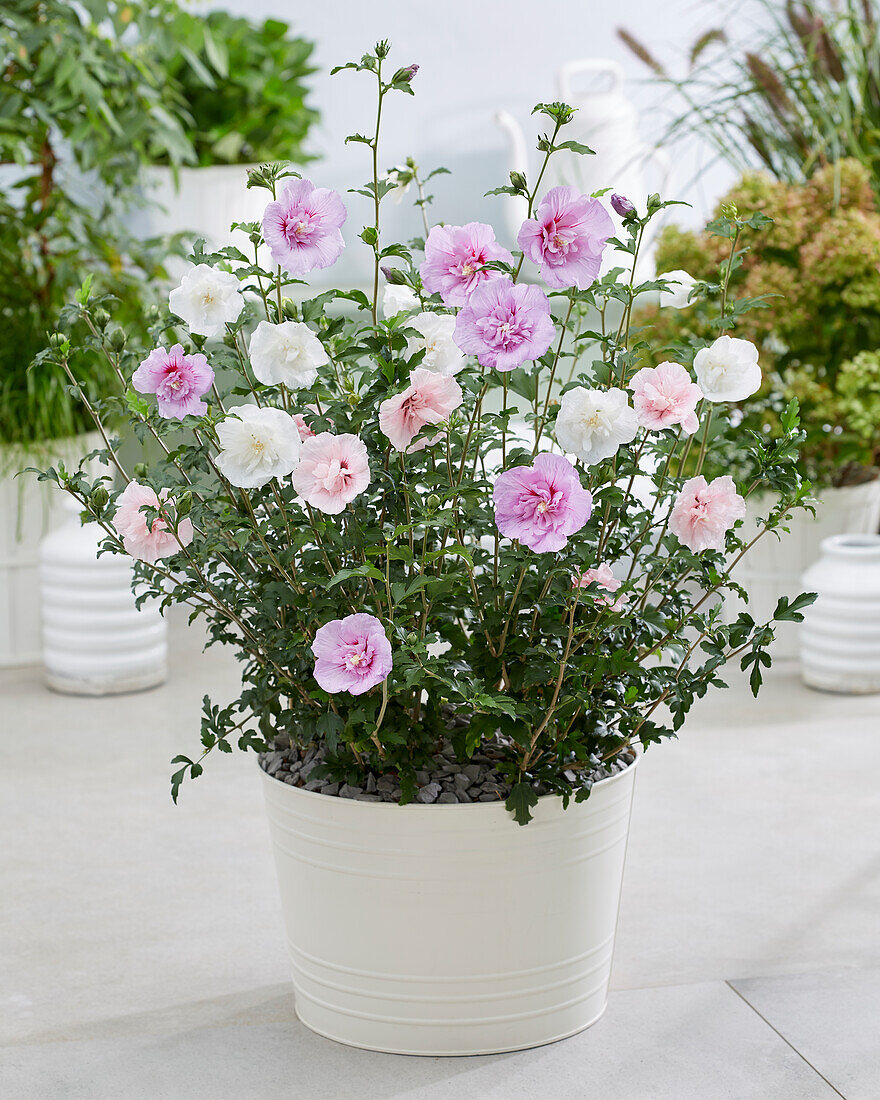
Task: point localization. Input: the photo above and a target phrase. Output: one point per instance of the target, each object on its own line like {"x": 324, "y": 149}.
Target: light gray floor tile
{"x": 698, "y": 1042}
{"x": 832, "y": 1018}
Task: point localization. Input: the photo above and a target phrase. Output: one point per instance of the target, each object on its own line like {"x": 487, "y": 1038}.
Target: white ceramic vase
{"x": 28, "y": 510}
{"x": 774, "y": 567}
{"x": 449, "y": 929}
{"x": 95, "y": 639}
{"x": 840, "y": 636}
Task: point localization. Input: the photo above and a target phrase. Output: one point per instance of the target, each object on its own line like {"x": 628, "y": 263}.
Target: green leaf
{"x": 520, "y": 802}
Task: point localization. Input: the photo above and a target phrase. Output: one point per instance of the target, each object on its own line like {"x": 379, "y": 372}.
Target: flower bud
{"x": 288, "y": 309}
{"x": 369, "y": 235}
{"x": 101, "y": 317}
{"x": 98, "y": 499}
{"x": 412, "y": 638}
{"x": 729, "y": 210}
{"x": 152, "y": 312}
{"x": 140, "y": 470}
{"x": 393, "y": 275}
{"x": 116, "y": 339}
{"x": 432, "y": 502}
{"x": 621, "y": 205}
{"x": 405, "y": 76}
{"x": 57, "y": 339}
{"x": 184, "y": 504}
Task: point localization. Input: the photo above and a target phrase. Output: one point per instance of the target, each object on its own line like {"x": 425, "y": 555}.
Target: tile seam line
{"x": 788, "y": 1043}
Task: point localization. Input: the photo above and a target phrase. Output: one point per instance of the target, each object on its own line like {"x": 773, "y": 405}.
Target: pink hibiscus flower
{"x": 704, "y": 512}
{"x": 148, "y": 542}
{"x": 505, "y": 325}
{"x": 665, "y": 396}
{"x": 566, "y": 238}
{"x": 541, "y": 505}
{"x": 604, "y": 578}
{"x": 177, "y": 380}
{"x": 302, "y": 227}
{"x": 455, "y": 256}
{"x": 351, "y": 654}
{"x": 430, "y": 398}
{"x": 332, "y": 471}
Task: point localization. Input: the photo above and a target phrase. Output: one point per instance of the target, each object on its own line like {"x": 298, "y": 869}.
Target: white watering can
{"x": 606, "y": 121}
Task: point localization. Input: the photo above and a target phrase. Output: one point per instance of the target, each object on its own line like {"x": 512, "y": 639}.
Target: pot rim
{"x": 420, "y": 807}
{"x": 853, "y": 546}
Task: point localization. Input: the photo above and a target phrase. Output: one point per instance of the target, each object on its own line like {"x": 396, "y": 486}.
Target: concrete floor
{"x": 141, "y": 951}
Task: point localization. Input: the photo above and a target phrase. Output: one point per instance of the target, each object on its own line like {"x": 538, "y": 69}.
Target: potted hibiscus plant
{"x": 460, "y": 605}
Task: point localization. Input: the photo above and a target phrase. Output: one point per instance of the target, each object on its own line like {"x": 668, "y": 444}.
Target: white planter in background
{"x": 840, "y": 636}
{"x": 203, "y": 203}
{"x": 775, "y": 567}
{"x": 449, "y": 929}
{"x": 95, "y": 640}
{"x": 28, "y": 510}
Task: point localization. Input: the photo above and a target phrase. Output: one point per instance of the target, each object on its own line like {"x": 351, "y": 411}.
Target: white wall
{"x": 477, "y": 56}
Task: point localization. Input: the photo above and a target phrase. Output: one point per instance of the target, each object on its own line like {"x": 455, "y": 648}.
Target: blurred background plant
{"x": 89, "y": 94}
{"x": 816, "y": 272}
{"x": 238, "y": 85}
{"x": 796, "y": 87}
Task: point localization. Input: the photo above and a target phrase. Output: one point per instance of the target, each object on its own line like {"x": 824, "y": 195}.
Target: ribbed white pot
{"x": 840, "y": 636}
{"x": 28, "y": 510}
{"x": 449, "y": 929}
{"x": 775, "y": 567}
{"x": 95, "y": 639}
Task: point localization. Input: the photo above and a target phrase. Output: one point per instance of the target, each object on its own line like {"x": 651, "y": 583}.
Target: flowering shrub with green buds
{"x": 461, "y": 489}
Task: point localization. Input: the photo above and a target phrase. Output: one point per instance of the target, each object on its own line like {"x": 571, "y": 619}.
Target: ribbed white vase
{"x": 95, "y": 640}
{"x": 449, "y": 929}
{"x": 840, "y": 636}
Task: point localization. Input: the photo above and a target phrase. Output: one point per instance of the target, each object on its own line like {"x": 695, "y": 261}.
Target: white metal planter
{"x": 95, "y": 640}
{"x": 449, "y": 929}
{"x": 774, "y": 567}
{"x": 28, "y": 510}
{"x": 840, "y": 637}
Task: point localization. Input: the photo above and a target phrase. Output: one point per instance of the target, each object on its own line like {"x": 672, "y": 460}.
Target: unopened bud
{"x": 432, "y": 502}
{"x": 729, "y": 210}
{"x": 140, "y": 469}
{"x": 56, "y": 339}
{"x": 98, "y": 499}
{"x": 184, "y": 504}
{"x": 621, "y": 205}
{"x": 152, "y": 311}
{"x": 288, "y": 309}
{"x": 405, "y": 76}
{"x": 393, "y": 275}
{"x": 102, "y": 318}
{"x": 369, "y": 235}
{"x": 412, "y": 638}
{"x": 116, "y": 339}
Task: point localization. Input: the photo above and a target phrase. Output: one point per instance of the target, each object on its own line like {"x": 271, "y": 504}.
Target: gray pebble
{"x": 330, "y": 788}
{"x": 428, "y": 793}
{"x": 371, "y": 784}
{"x": 447, "y": 798}
{"x": 347, "y": 791}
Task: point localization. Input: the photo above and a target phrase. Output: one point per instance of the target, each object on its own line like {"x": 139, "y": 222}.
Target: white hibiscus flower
{"x": 592, "y": 424}
{"x": 442, "y": 354}
{"x": 207, "y": 300}
{"x": 257, "y": 445}
{"x": 728, "y": 370}
{"x": 288, "y": 354}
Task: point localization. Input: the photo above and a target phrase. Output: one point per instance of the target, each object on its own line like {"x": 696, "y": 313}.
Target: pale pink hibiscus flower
{"x": 351, "y": 654}
{"x": 566, "y": 238}
{"x": 602, "y": 576}
{"x": 455, "y": 256}
{"x": 332, "y": 471}
{"x": 505, "y": 324}
{"x": 430, "y": 398}
{"x": 144, "y": 540}
{"x": 704, "y": 512}
{"x": 177, "y": 380}
{"x": 302, "y": 227}
{"x": 665, "y": 396}
{"x": 541, "y": 505}
{"x": 305, "y": 429}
